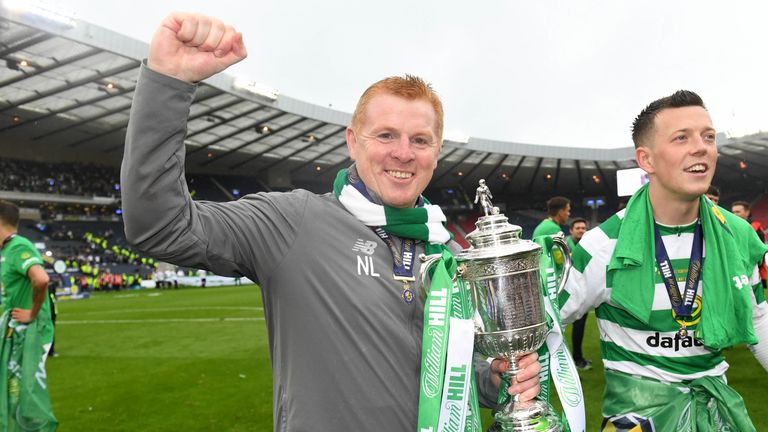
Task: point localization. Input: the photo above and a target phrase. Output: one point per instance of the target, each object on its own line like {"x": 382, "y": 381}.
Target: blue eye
{"x": 386, "y": 137}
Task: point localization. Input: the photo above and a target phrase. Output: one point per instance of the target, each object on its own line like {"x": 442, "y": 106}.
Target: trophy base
{"x": 527, "y": 416}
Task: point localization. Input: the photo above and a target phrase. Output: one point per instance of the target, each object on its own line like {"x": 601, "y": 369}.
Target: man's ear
{"x": 644, "y": 158}
{"x": 437, "y": 157}
{"x": 351, "y": 144}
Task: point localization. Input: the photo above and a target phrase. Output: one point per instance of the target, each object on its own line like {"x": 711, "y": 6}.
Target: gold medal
{"x": 407, "y": 291}
{"x": 685, "y": 321}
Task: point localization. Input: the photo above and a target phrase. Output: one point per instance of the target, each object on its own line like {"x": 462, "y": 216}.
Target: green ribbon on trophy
{"x": 447, "y": 392}
{"x": 550, "y": 272}
{"x": 556, "y": 360}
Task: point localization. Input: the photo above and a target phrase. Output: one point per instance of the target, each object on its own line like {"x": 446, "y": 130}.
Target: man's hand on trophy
{"x": 193, "y": 47}
{"x": 526, "y": 382}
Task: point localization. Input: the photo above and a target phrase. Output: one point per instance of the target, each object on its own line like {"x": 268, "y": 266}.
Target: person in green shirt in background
{"x": 559, "y": 210}
{"x": 578, "y": 228}
{"x": 26, "y": 328}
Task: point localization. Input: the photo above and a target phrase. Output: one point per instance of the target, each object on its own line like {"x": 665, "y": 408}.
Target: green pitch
{"x": 189, "y": 359}
{"x": 198, "y": 360}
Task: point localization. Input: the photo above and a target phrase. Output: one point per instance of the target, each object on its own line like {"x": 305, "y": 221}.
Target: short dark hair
{"x": 555, "y": 204}
{"x": 577, "y": 220}
{"x": 9, "y": 213}
{"x": 741, "y": 203}
{"x": 643, "y": 124}
{"x": 713, "y": 190}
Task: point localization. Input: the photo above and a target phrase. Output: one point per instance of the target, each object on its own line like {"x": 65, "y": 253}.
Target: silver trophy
{"x": 502, "y": 272}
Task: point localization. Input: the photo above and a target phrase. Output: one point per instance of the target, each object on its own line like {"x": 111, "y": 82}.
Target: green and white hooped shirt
{"x": 628, "y": 345}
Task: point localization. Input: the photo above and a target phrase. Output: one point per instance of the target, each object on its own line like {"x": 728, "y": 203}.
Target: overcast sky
{"x": 569, "y": 73}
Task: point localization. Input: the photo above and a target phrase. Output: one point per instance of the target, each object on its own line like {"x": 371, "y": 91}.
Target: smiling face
{"x": 681, "y": 155}
{"x": 395, "y": 148}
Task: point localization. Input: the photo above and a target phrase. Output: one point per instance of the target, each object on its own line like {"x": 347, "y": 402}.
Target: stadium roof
{"x": 67, "y": 85}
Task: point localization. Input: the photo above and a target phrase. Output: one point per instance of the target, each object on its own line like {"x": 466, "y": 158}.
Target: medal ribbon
{"x": 402, "y": 259}
{"x": 682, "y": 306}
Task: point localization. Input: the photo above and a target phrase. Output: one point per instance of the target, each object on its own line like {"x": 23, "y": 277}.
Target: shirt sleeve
{"x": 487, "y": 393}
{"x": 247, "y": 237}
{"x": 586, "y": 286}
{"x": 25, "y": 257}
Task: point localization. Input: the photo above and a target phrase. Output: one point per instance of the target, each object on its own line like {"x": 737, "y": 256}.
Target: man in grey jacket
{"x": 345, "y": 335}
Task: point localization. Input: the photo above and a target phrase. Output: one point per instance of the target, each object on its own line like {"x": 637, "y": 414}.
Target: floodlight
{"x": 256, "y": 88}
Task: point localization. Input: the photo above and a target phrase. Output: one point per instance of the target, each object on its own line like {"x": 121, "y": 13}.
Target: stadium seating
{"x": 67, "y": 227}
{"x": 58, "y": 178}
{"x": 760, "y": 210}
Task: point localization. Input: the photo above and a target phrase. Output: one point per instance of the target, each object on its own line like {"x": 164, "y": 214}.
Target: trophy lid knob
{"x": 494, "y": 235}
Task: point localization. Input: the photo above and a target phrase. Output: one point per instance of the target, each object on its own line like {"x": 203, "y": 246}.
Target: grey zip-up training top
{"x": 345, "y": 347}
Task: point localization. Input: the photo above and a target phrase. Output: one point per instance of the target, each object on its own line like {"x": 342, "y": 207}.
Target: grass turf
{"x": 197, "y": 360}
{"x": 187, "y": 359}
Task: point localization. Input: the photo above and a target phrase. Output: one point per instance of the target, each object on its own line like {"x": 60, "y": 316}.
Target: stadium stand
{"x": 58, "y": 178}
{"x": 61, "y": 146}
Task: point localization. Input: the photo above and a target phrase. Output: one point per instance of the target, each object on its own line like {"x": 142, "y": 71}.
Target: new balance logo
{"x": 366, "y": 247}
{"x": 365, "y": 262}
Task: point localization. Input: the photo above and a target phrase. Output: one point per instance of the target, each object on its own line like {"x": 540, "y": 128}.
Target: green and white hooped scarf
{"x": 420, "y": 223}
{"x": 447, "y": 391}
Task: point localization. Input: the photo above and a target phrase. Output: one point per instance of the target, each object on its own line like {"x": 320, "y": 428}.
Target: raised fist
{"x": 193, "y": 47}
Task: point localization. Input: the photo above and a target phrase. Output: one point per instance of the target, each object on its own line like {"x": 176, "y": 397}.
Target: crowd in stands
{"x": 81, "y": 179}
{"x": 85, "y": 179}
{"x": 54, "y": 211}
{"x": 94, "y": 261}
{"x": 116, "y": 253}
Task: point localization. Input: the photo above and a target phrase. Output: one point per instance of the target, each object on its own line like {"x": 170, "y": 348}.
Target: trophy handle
{"x": 427, "y": 261}
{"x": 561, "y": 244}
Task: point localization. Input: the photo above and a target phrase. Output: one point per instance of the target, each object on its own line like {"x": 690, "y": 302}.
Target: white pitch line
{"x": 158, "y": 320}
{"x": 175, "y": 309}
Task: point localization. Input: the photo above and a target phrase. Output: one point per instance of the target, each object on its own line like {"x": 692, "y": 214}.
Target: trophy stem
{"x": 519, "y": 416}
{"x": 506, "y": 411}
{"x": 510, "y": 375}
{"x": 513, "y": 367}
